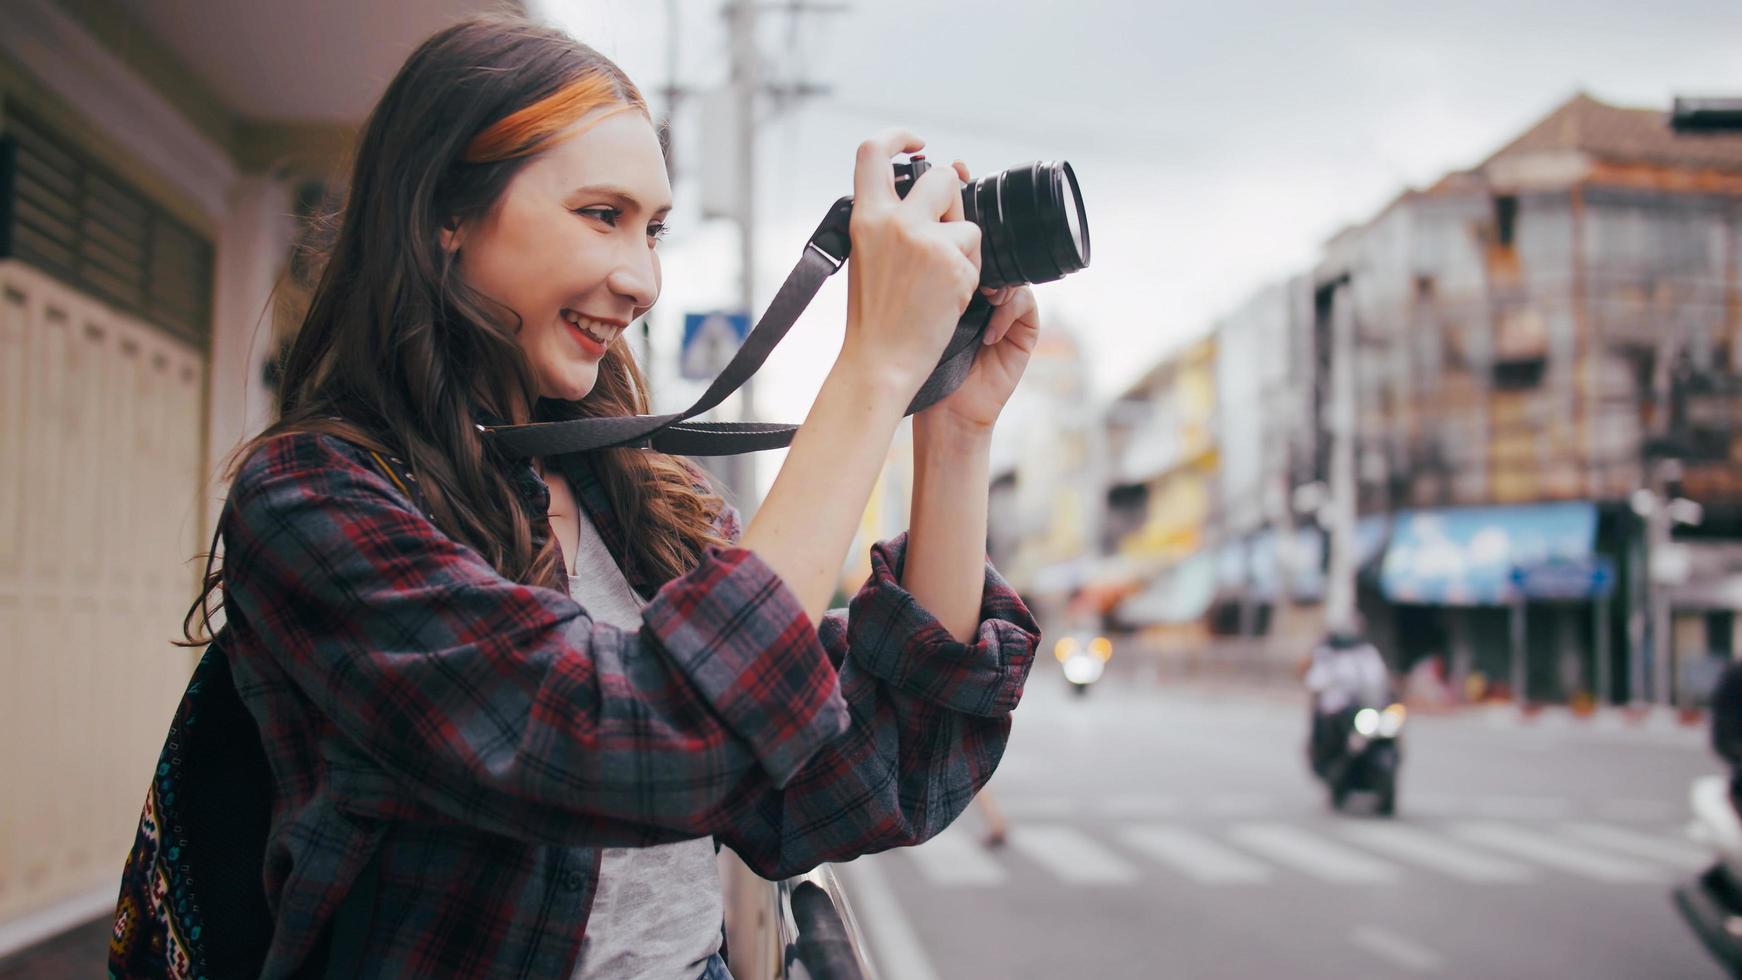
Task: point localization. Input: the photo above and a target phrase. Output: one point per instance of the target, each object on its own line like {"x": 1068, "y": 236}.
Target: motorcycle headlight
{"x": 1391, "y": 721}
{"x": 1083, "y": 669}
{"x": 1366, "y": 721}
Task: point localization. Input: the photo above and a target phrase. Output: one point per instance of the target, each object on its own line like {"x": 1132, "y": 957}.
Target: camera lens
{"x": 1033, "y": 228}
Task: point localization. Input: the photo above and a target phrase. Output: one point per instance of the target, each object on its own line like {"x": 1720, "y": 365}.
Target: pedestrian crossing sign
{"x": 709, "y": 341}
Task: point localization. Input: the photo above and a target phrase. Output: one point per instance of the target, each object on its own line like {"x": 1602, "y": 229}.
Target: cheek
{"x": 524, "y": 263}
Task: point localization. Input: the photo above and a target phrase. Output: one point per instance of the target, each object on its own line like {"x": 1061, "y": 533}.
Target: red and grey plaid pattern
{"x": 482, "y": 739}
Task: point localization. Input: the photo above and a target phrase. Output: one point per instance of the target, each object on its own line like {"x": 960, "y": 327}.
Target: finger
{"x": 1019, "y": 318}
{"x": 873, "y": 177}
{"x": 998, "y": 325}
{"x": 1025, "y": 327}
{"x": 962, "y": 171}
{"x": 937, "y": 195}
{"x": 965, "y": 235}
{"x": 996, "y": 295}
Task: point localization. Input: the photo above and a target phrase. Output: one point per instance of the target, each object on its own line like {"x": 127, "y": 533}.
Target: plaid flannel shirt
{"x": 481, "y": 739}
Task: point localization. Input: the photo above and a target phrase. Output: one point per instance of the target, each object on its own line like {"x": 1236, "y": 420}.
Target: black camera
{"x": 1033, "y": 228}
{"x": 1032, "y": 225}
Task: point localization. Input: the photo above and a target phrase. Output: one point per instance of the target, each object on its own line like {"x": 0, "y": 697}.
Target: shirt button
{"x": 575, "y": 881}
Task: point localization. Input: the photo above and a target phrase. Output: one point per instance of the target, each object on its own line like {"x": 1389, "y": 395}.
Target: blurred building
{"x": 1048, "y": 463}
{"x": 1163, "y": 498}
{"x": 1547, "y": 351}
{"x": 154, "y": 157}
{"x": 1538, "y": 340}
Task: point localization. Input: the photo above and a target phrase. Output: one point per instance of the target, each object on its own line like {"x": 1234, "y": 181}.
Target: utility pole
{"x": 1340, "y": 412}
{"x": 747, "y": 85}
{"x": 745, "y": 77}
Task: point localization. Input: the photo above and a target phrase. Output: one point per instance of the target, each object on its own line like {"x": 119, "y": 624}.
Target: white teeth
{"x": 592, "y": 328}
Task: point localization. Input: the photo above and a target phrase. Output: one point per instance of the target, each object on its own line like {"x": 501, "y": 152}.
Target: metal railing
{"x": 818, "y": 936}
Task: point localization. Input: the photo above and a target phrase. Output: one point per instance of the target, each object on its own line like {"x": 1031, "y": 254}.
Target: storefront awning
{"x": 1488, "y": 556}
{"x": 1709, "y": 576}
{"x": 1178, "y": 595}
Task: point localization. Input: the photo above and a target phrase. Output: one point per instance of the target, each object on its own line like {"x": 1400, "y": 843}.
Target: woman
{"x": 512, "y": 701}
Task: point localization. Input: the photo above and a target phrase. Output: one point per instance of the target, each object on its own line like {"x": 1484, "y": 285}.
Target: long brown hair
{"x": 398, "y": 354}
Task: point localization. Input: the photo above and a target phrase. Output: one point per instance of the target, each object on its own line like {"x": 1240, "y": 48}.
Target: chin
{"x": 570, "y": 386}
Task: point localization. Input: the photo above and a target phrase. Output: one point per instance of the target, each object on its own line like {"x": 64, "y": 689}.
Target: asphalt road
{"x": 1164, "y": 832}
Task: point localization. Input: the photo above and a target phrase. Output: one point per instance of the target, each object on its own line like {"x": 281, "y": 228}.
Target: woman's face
{"x": 569, "y": 246}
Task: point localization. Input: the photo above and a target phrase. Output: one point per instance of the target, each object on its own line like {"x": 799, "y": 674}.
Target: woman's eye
{"x": 610, "y": 216}
{"x": 607, "y": 215}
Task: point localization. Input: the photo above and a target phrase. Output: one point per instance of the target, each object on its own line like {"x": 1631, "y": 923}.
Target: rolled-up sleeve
{"x": 930, "y": 719}
{"x": 894, "y": 638}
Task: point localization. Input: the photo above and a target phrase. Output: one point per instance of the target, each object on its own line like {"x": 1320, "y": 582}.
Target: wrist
{"x": 936, "y": 426}
{"x": 872, "y": 388}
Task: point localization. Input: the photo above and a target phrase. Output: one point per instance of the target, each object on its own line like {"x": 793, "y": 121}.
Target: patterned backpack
{"x": 192, "y": 904}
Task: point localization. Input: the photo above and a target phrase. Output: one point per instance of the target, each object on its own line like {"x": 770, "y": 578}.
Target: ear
{"x": 451, "y": 235}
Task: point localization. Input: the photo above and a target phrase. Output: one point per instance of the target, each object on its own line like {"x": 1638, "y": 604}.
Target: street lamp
{"x": 1666, "y": 565}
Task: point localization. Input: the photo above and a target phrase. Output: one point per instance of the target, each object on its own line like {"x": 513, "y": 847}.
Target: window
{"x": 86, "y": 227}
{"x": 1505, "y": 219}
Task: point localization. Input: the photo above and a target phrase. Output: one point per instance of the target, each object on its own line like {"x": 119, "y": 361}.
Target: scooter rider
{"x": 1345, "y": 674}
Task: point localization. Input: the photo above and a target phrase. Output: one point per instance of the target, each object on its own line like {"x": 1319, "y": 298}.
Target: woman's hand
{"x": 1010, "y": 338}
{"x": 914, "y": 266}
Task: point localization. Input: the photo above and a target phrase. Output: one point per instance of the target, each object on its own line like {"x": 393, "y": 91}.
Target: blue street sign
{"x": 709, "y": 341}
{"x": 1589, "y": 577}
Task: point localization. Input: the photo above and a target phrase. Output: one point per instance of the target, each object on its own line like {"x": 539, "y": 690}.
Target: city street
{"x": 1177, "y": 832}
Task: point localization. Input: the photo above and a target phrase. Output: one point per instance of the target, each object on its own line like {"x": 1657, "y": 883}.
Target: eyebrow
{"x": 621, "y": 194}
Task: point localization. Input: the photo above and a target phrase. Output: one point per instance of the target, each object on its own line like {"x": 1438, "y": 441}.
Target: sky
{"x": 1217, "y": 145}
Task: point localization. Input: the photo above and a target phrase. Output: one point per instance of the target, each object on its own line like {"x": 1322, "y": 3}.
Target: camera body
{"x": 1033, "y": 227}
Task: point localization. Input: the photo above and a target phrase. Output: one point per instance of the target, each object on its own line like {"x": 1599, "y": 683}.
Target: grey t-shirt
{"x": 658, "y": 909}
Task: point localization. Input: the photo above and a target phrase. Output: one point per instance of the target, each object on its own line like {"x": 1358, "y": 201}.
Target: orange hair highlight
{"x": 528, "y": 130}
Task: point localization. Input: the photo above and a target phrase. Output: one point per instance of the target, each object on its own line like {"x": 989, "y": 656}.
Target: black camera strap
{"x": 823, "y": 256}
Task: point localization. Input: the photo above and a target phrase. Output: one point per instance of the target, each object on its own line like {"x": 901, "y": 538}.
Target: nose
{"x": 636, "y": 277}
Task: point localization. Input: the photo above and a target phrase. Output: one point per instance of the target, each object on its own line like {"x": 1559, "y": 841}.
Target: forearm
{"x": 946, "y": 545}
{"x": 806, "y": 523}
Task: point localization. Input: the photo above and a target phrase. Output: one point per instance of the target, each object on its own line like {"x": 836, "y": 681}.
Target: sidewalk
{"x": 82, "y": 951}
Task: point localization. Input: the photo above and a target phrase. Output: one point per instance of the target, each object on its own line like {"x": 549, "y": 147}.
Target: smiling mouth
{"x": 598, "y": 331}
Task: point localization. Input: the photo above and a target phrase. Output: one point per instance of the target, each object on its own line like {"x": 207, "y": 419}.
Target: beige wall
{"x": 98, "y": 521}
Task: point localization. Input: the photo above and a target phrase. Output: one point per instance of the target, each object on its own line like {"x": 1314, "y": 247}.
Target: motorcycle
{"x": 1083, "y": 662}
{"x": 1363, "y": 756}
{"x": 1711, "y": 901}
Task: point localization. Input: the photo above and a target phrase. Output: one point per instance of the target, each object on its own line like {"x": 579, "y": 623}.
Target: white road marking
{"x": 1140, "y": 805}
{"x": 1520, "y": 807}
{"x": 1637, "y": 810}
{"x": 955, "y": 858}
{"x": 1430, "y": 850}
{"x": 1396, "y": 950}
{"x": 1549, "y": 850}
{"x": 1313, "y": 854}
{"x": 1238, "y": 805}
{"x": 1641, "y": 844}
{"x": 1072, "y": 855}
{"x": 1432, "y": 804}
{"x": 1194, "y": 855}
{"x": 895, "y": 949}
{"x": 1040, "y": 806}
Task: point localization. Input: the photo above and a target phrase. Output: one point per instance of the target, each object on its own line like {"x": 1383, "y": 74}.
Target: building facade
{"x": 1545, "y": 409}
{"x": 153, "y": 160}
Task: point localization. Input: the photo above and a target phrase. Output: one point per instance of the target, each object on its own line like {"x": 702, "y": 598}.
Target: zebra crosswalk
{"x": 1257, "y": 852}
